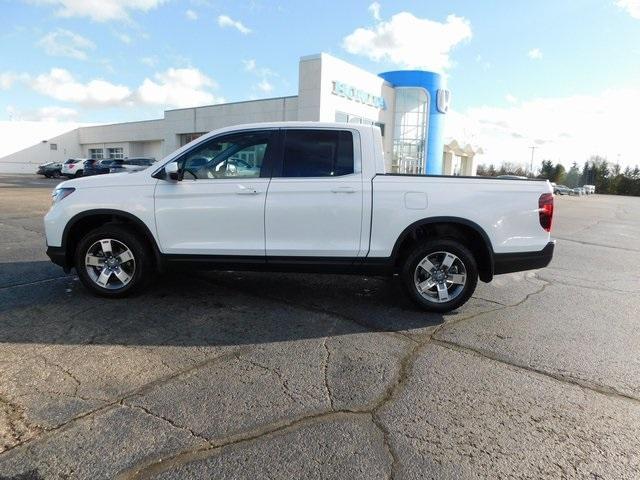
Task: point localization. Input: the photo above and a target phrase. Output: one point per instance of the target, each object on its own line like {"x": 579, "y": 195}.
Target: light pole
{"x": 533, "y": 149}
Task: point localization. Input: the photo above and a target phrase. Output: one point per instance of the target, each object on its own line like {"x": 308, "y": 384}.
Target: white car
{"x": 73, "y": 167}
{"x": 299, "y": 196}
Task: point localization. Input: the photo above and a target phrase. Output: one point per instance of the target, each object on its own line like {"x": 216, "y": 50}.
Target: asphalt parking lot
{"x": 250, "y": 375}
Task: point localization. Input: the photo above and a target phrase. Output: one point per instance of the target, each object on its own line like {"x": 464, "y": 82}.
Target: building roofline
{"x": 233, "y": 103}
{"x": 121, "y": 123}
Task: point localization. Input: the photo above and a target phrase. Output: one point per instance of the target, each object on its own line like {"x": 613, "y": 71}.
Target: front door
{"x": 218, "y": 206}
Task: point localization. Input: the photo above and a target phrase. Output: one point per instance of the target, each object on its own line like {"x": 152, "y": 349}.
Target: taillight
{"x": 545, "y": 208}
{"x": 72, "y": 166}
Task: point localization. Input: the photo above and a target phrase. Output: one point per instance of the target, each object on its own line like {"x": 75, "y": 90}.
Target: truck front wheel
{"x": 440, "y": 275}
{"x": 112, "y": 261}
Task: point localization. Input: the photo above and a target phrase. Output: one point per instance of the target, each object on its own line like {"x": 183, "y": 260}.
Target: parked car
{"x": 99, "y": 167}
{"x": 90, "y": 167}
{"x": 131, "y": 165}
{"x": 73, "y": 167}
{"x": 590, "y": 189}
{"x": 577, "y": 191}
{"x": 561, "y": 190}
{"x": 50, "y": 169}
{"x": 297, "y": 196}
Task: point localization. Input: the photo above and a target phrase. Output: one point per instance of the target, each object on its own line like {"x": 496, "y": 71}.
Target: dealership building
{"x": 409, "y": 106}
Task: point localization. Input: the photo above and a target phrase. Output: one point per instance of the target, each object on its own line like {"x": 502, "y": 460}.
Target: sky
{"x": 560, "y": 75}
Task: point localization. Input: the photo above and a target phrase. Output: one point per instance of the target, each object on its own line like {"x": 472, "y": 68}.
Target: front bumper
{"x": 58, "y": 255}
{"x": 519, "y": 261}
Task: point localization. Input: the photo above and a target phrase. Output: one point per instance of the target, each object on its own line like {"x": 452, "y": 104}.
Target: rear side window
{"x": 317, "y": 153}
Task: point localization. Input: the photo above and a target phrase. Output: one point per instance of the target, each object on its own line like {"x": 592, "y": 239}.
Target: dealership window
{"x": 53, "y": 146}
{"x": 317, "y": 153}
{"x": 115, "y": 153}
{"x": 342, "y": 117}
{"x": 189, "y": 137}
{"x": 409, "y": 140}
{"x": 95, "y": 153}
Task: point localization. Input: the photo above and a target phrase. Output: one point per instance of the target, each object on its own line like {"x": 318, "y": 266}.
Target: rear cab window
{"x": 317, "y": 153}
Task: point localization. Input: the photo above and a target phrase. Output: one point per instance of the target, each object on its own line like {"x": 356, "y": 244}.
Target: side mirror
{"x": 173, "y": 171}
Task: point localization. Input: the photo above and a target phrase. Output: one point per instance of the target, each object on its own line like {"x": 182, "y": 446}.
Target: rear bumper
{"x": 519, "y": 261}
{"x": 59, "y": 257}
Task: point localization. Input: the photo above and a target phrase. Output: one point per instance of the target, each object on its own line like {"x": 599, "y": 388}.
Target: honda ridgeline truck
{"x": 298, "y": 196}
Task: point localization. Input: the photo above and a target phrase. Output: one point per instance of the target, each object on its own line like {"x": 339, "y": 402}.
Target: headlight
{"x": 60, "y": 193}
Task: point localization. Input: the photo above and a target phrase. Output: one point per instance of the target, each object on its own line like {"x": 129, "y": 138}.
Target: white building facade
{"x": 329, "y": 89}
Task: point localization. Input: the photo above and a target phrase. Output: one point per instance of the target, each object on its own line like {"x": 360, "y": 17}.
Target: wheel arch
{"x": 472, "y": 235}
{"x": 83, "y": 222}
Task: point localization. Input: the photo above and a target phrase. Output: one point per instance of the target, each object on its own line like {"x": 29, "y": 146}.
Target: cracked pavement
{"x": 252, "y": 375}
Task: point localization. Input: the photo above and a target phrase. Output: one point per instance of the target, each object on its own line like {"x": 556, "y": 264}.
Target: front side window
{"x": 229, "y": 156}
{"x": 317, "y": 153}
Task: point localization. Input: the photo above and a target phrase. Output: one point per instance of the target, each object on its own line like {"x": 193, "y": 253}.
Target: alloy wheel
{"x": 440, "y": 277}
{"x": 110, "y": 264}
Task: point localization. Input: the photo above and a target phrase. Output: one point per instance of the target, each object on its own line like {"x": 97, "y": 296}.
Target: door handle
{"x": 246, "y": 190}
{"x": 343, "y": 190}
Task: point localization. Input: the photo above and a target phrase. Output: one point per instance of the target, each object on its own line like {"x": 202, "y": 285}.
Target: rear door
{"x": 314, "y": 205}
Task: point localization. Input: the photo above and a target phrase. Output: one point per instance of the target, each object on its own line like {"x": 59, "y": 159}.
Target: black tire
{"x": 143, "y": 260}
{"x": 431, "y": 247}
{"x": 77, "y": 174}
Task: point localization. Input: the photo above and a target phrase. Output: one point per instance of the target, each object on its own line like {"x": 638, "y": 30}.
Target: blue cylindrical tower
{"x": 438, "y": 104}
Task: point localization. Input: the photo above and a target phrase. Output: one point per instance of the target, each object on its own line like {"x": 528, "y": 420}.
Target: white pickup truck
{"x": 298, "y": 196}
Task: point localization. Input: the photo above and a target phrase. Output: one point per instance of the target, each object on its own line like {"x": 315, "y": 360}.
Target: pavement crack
{"x": 325, "y": 366}
{"x": 14, "y": 426}
{"x": 565, "y": 239}
{"x": 165, "y": 419}
{"x": 147, "y": 469}
{"x": 138, "y": 391}
{"x": 35, "y": 282}
{"x": 65, "y": 371}
{"x": 283, "y": 380}
{"x": 579, "y": 382}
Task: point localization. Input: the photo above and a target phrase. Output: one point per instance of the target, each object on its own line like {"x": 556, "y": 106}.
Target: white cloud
{"x": 374, "y": 9}
{"x": 44, "y": 114}
{"x": 178, "y": 87}
{"x": 100, "y": 10}
{"x": 61, "y": 85}
{"x": 265, "y": 86}
{"x": 123, "y": 37}
{"x": 249, "y": 65}
{"x": 409, "y": 41}
{"x": 535, "y": 54}
{"x": 565, "y": 129}
{"x": 632, "y": 7}
{"x": 19, "y": 134}
{"x": 263, "y": 73}
{"x": 7, "y": 79}
{"x": 64, "y": 43}
{"x": 149, "y": 61}
{"x": 225, "y": 21}
{"x": 511, "y": 98}
{"x": 482, "y": 62}
{"x": 191, "y": 14}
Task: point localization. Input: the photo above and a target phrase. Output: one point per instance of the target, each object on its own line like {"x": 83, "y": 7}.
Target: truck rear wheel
{"x": 112, "y": 262}
{"x": 440, "y": 275}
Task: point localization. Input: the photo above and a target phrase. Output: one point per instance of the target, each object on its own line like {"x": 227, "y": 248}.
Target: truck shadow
{"x": 202, "y": 308}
